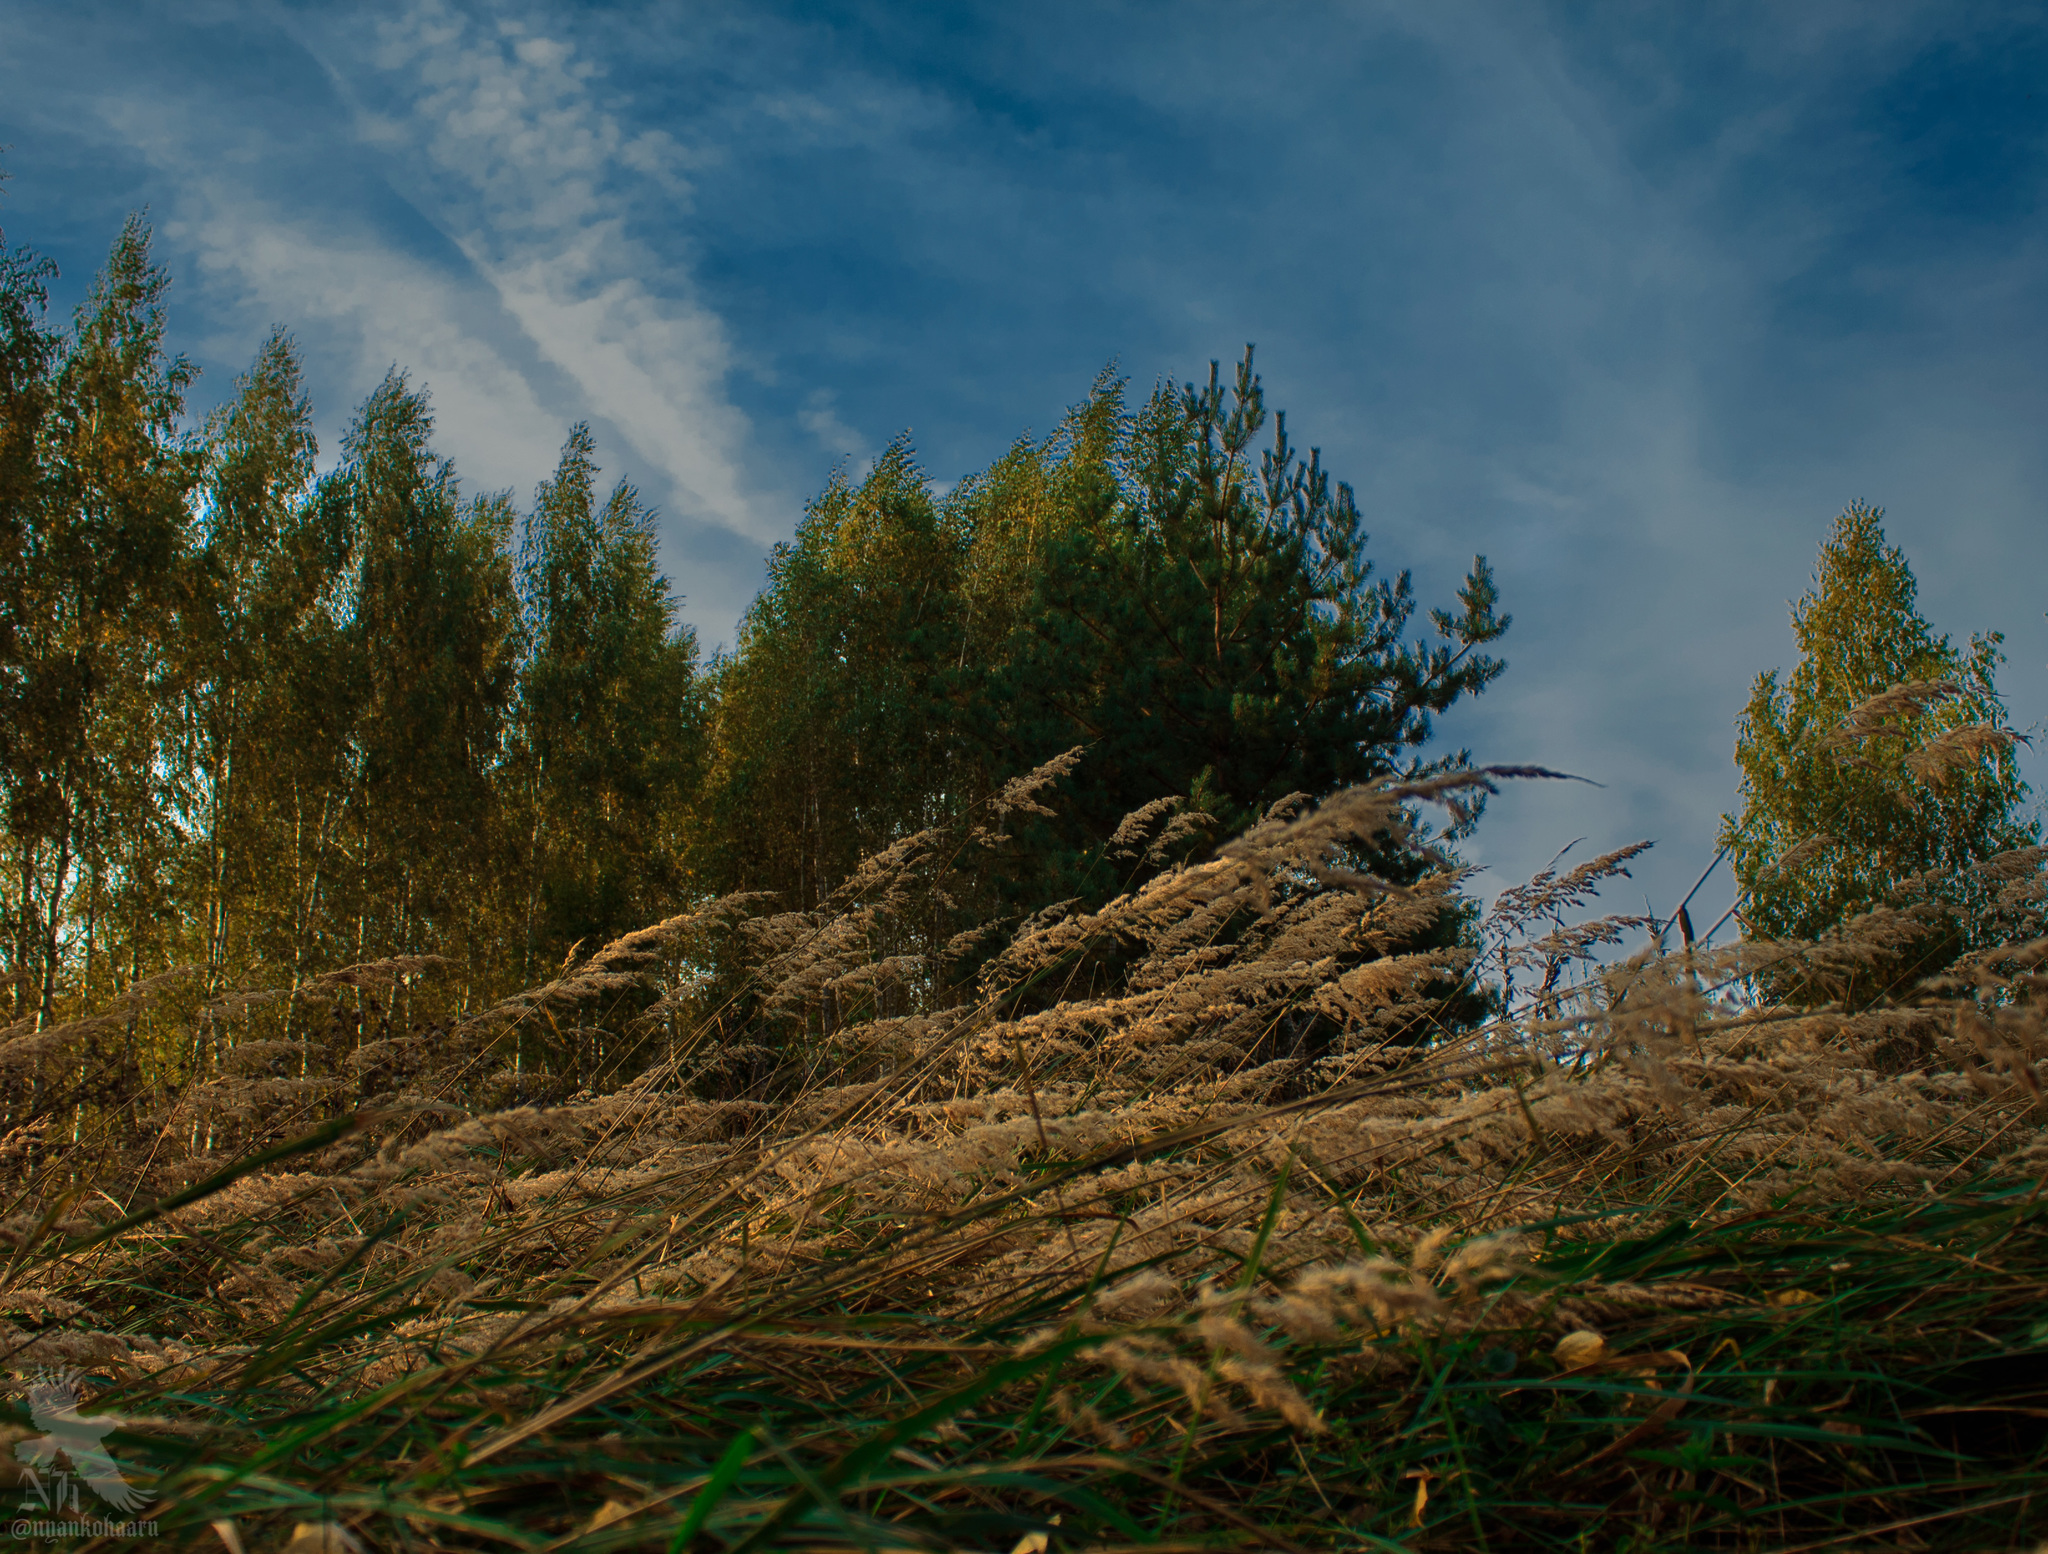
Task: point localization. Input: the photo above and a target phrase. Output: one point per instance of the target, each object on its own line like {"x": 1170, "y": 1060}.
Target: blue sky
{"x": 1632, "y": 299}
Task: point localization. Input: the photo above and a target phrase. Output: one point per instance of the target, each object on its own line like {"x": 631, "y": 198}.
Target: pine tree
{"x": 1201, "y": 617}
{"x": 1208, "y": 622}
{"x": 1840, "y": 807}
{"x": 1199, "y": 614}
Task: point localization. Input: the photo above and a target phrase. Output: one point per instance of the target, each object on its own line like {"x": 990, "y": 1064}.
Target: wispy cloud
{"x": 533, "y": 177}
{"x": 820, "y": 417}
{"x": 358, "y": 302}
{"x": 501, "y": 264}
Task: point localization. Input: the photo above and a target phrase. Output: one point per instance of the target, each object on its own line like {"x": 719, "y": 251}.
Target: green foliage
{"x": 266, "y": 724}
{"x": 603, "y": 759}
{"x": 840, "y": 719}
{"x": 95, "y": 488}
{"x": 1841, "y": 809}
{"x": 1207, "y": 621}
{"x": 254, "y": 588}
{"x": 1201, "y": 622}
{"x": 426, "y": 654}
{"x": 1203, "y": 619}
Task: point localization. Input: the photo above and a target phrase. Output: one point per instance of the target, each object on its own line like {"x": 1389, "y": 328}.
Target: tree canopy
{"x": 1208, "y": 622}
{"x": 1882, "y": 758}
{"x": 1196, "y": 613}
{"x": 603, "y": 756}
{"x": 265, "y": 722}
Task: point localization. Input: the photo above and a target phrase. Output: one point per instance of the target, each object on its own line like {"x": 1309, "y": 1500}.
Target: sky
{"x": 1630, "y": 299}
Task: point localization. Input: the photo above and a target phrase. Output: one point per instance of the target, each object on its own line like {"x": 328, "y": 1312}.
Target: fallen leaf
{"x": 611, "y": 1511}
{"x": 1421, "y": 1477}
{"x": 1585, "y": 1347}
{"x": 322, "y": 1538}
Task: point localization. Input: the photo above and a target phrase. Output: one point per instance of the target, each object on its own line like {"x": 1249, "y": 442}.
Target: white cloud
{"x": 820, "y": 417}
{"x": 360, "y": 307}
{"x": 534, "y": 180}
{"x": 541, "y": 307}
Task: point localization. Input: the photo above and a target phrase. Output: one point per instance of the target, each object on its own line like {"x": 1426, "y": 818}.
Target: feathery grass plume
{"x": 1874, "y": 715}
{"x": 1163, "y": 1223}
{"x": 1536, "y": 926}
{"x": 1956, "y": 750}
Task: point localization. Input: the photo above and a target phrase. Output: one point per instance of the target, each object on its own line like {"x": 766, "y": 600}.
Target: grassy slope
{"x": 1048, "y": 1276}
{"x": 1829, "y": 1375}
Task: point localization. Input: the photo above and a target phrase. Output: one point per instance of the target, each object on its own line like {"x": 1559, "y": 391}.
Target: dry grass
{"x": 1190, "y": 1227}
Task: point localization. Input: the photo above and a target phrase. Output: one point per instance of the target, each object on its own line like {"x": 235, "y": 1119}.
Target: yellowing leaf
{"x": 322, "y": 1538}
{"x": 1791, "y": 1298}
{"x": 611, "y": 1511}
{"x": 1585, "y": 1347}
